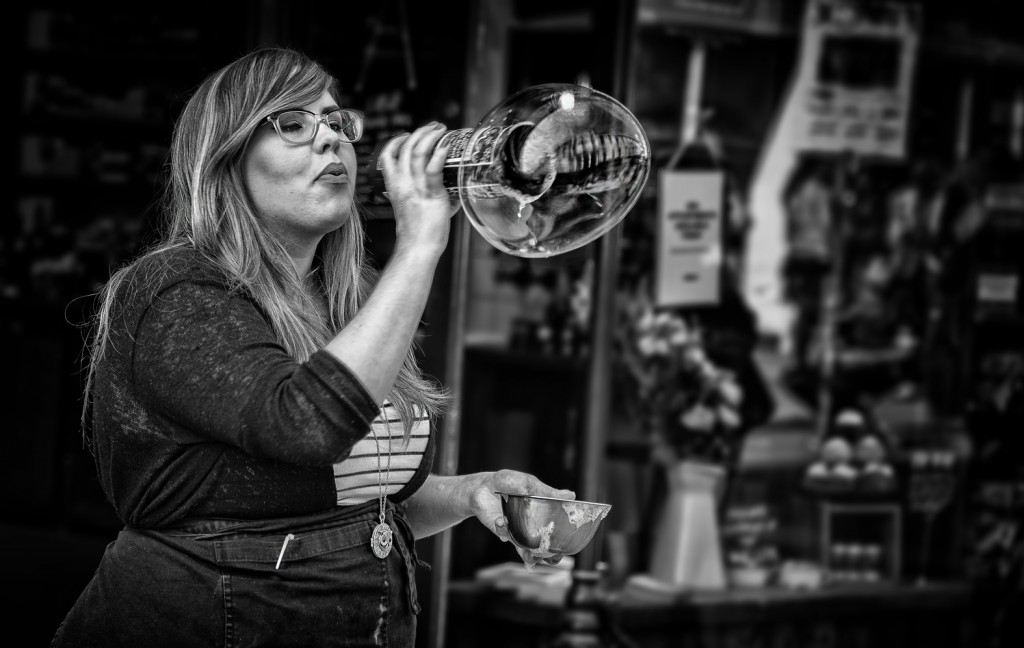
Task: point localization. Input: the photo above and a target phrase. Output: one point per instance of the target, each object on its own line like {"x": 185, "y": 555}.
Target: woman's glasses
{"x": 300, "y": 126}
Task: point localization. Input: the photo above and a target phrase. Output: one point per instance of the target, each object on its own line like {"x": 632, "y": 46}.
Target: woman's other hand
{"x": 412, "y": 166}
{"x": 487, "y": 507}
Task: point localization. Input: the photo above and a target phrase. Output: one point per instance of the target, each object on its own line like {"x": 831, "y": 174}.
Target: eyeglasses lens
{"x": 347, "y": 123}
{"x": 296, "y": 126}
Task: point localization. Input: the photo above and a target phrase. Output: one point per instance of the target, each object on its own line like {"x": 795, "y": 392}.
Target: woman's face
{"x": 302, "y": 191}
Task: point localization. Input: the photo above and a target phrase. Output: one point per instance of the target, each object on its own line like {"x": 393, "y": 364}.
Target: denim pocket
{"x": 242, "y": 550}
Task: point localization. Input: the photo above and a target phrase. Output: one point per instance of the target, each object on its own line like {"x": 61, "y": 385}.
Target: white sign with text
{"x": 689, "y": 259}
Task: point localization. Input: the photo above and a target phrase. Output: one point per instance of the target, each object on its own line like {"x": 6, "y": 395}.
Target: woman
{"x": 256, "y": 413}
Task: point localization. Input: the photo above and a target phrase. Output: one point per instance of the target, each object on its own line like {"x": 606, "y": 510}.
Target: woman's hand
{"x": 412, "y": 166}
{"x": 487, "y": 506}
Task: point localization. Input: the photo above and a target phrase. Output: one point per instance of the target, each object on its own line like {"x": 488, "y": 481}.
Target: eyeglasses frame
{"x": 320, "y": 119}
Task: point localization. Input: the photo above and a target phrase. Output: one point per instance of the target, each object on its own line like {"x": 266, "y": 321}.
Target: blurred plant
{"x": 683, "y": 400}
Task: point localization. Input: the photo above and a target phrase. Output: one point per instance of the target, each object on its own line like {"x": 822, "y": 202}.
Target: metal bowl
{"x": 548, "y": 526}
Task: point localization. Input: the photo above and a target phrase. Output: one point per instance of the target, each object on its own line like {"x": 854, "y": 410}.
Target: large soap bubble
{"x": 550, "y": 169}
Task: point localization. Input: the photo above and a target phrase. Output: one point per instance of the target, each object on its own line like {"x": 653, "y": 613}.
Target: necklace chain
{"x": 382, "y": 537}
{"x": 383, "y": 481}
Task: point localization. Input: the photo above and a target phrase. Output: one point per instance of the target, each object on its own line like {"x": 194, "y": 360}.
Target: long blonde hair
{"x": 207, "y": 206}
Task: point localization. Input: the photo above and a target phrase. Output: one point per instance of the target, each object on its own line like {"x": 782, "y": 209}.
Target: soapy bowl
{"x": 549, "y": 526}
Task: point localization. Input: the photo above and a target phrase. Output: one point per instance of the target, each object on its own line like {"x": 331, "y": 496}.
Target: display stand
{"x": 861, "y": 542}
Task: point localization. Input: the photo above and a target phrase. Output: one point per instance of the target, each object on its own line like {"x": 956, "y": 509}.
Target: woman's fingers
{"x": 418, "y": 152}
{"x": 412, "y": 176}
{"x": 500, "y": 528}
{"x": 428, "y": 137}
{"x": 413, "y": 162}
{"x": 389, "y": 154}
{"x": 486, "y": 502}
{"x": 487, "y": 507}
{"x": 513, "y": 481}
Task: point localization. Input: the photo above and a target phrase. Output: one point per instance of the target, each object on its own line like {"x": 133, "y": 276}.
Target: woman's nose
{"x": 327, "y": 138}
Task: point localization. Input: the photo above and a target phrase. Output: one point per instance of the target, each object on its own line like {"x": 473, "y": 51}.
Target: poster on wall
{"x": 689, "y": 256}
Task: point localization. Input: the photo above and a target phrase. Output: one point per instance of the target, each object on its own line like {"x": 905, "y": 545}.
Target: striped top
{"x": 357, "y": 479}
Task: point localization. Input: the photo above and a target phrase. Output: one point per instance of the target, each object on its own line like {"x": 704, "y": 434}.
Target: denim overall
{"x": 231, "y": 583}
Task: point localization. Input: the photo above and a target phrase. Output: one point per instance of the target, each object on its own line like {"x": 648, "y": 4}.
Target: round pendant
{"x": 380, "y": 541}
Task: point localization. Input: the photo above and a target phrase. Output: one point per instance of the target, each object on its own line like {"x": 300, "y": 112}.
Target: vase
{"x": 687, "y": 551}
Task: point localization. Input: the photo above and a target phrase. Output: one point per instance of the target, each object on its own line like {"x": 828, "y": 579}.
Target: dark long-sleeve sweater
{"x": 198, "y": 410}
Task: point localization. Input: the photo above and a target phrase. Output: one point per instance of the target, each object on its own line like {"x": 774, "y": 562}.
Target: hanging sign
{"x": 689, "y": 255}
{"x": 854, "y": 82}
